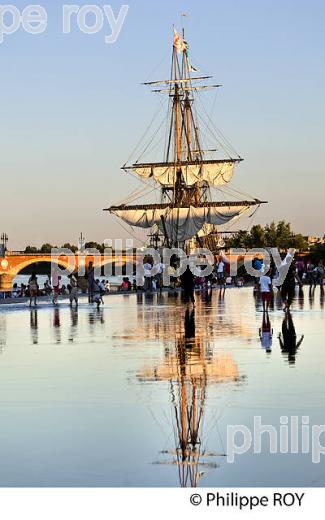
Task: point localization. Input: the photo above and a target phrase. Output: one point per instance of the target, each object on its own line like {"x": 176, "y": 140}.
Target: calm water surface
{"x": 140, "y": 392}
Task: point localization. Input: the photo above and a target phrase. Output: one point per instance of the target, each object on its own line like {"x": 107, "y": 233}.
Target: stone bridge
{"x": 13, "y": 263}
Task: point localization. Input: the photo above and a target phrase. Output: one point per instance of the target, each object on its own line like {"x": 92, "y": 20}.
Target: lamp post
{"x": 4, "y": 241}
{"x": 81, "y": 243}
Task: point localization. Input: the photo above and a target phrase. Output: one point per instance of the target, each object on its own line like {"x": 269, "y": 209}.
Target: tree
{"x": 277, "y": 235}
{"x": 317, "y": 252}
{"x": 31, "y": 250}
{"x": 46, "y": 248}
{"x": 284, "y": 235}
{"x": 70, "y": 246}
{"x": 257, "y": 236}
{"x": 239, "y": 239}
{"x": 299, "y": 242}
{"x": 270, "y": 235}
{"x": 94, "y": 245}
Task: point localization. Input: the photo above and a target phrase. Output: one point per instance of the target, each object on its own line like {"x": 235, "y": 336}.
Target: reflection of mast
{"x": 189, "y": 409}
{"x": 189, "y": 368}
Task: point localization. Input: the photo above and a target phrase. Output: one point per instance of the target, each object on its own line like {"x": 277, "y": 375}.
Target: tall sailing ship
{"x": 190, "y": 179}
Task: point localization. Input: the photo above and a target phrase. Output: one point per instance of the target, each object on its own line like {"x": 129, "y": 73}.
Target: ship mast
{"x": 181, "y": 124}
{"x": 186, "y": 176}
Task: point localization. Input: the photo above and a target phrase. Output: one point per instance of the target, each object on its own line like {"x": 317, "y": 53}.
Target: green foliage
{"x": 31, "y": 250}
{"x": 70, "y": 247}
{"x": 46, "y": 248}
{"x": 95, "y": 245}
{"x": 277, "y": 235}
{"x": 317, "y": 252}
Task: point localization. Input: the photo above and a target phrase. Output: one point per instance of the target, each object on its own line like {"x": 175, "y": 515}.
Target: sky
{"x": 73, "y": 108}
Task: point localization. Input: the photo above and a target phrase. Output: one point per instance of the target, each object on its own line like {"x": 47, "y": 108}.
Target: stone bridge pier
{"x": 6, "y": 282}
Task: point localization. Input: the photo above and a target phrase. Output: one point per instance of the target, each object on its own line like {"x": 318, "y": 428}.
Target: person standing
{"x": 266, "y": 290}
{"x": 33, "y": 288}
{"x": 309, "y": 272}
{"x": 147, "y": 276}
{"x": 320, "y": 274}
{"x": 288, "y": 287}
{"x": 74, "y": 289}
{"x": 160, "y": 267}
{"x": 300, "y": 264}
{"x": 56, "y": 286}
{"x": 221, "y": 273}
{"x": 188, "y": 284}
{"x": 91, "y": 282}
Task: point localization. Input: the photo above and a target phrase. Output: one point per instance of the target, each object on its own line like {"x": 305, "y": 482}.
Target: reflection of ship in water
{"x": 157, "y": 320}
{"x": 190, "y": 366}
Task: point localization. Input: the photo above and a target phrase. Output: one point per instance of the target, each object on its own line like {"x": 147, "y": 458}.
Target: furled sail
{"x": 187, "y": 172}
{"x": 215, "y": 173}
{"x": 180, "y": 223}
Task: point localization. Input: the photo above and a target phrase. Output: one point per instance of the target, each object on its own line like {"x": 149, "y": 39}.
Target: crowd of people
{"x": 52, "y": 287}
{"x": 299, "y": 271}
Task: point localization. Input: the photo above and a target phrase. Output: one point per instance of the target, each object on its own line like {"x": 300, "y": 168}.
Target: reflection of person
{"x": 288, "y": 340}
{"x": 189, "y": 327}
{"x": 266, "y": 333}
{"x": 57, "y": 325}
{"x": 34, "y": 326}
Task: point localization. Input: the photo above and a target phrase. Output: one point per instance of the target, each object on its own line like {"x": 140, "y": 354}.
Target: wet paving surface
{"x": 140, "y": 391}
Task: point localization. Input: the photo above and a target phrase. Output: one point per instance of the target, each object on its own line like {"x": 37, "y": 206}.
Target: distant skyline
{"x": 73, "y": 108}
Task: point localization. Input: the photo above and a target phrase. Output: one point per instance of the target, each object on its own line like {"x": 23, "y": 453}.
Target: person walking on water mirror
{"x": 91, "y": 282}
{"x": 56, "y": 286}
{"x": 266, "y": 290}
{"x": 288, "y": 287}
{"x": 320, "y": 274}
{"x": 33, "y": 288}
{"x": 74, "y": 289}
{"x": 188, "y": 285}
{"x": 221, "y": 277}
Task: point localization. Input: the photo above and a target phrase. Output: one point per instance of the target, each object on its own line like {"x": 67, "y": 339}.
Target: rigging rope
{"x": 161, "y": 106}
{"x": 217, "y": 130}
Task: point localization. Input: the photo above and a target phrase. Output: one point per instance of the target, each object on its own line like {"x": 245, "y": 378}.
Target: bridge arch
{"x": 115, "y": 265}
{"x": 61, "y": 262}
{"x": 19, "y": 263}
